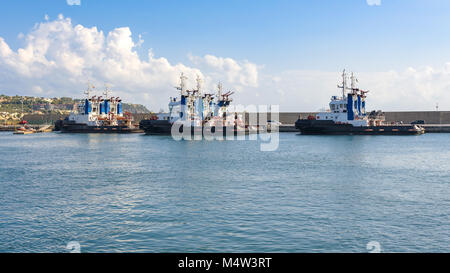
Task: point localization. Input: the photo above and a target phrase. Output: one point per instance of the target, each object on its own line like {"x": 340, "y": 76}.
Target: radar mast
{"x": 182, "y": 87}
{"x": 106, "y": 91}
{"x": 88, "y": 90}
{"x": 354, "y": 81}
{"x": 199, "y": 85}
{"x": 219, "y": 90}
{"x": 344, "y": 83}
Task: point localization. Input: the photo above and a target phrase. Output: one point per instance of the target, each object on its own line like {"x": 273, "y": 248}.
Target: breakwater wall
{"x": 430, "y": 117}
{"x": 52, "y": 118}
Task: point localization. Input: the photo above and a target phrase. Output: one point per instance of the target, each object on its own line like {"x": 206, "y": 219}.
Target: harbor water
{"x": 136, "y": 193}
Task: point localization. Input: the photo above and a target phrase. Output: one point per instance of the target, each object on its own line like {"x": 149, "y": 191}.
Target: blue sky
{"x": 283, "y": 34}
{"x": 277, "y": 36}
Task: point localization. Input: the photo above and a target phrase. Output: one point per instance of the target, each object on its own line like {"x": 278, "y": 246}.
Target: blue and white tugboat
{"x": 196, "y": 112}
{"x": 98, "y": 115}
{"x": 347, "y": 116}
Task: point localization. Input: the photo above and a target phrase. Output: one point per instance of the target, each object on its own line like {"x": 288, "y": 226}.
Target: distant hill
{"x": 64, "y": 105}
{"x": 135, "y": 108}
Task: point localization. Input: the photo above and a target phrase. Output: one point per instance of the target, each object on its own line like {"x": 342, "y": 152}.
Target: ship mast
{"x": 88, "y": 90}
{"x": 219, "y": 90}
{"x": 344, "y": 83}
{"x": 106, "y": 91}
{"x": 182, "y": 87}
{"x": 354, "y": 80}
{"x": 199, "y": 85}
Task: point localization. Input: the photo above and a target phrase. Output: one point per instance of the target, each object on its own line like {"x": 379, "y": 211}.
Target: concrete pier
{"x": 436, "y": 121}
{"x": 430, "y": 117}
{"x": 12, "y": 128}
{"x": 436, "y": 128}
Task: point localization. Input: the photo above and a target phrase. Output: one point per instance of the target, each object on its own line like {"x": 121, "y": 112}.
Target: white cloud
{"x": 373, "y": 2}
{"x": 241, "y": 73}
{"x": 74, "y": 2}
{"x": 410, "y": 89}
{"x": 59, "y": 58}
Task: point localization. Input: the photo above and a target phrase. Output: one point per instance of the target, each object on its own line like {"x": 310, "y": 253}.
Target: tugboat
{"x": 197, "y": 111}
{"x": 98, "y": 115}
{"x": 348, "y": 116}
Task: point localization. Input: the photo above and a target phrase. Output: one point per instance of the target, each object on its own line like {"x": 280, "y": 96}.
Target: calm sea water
{"x": 135, "y": 193}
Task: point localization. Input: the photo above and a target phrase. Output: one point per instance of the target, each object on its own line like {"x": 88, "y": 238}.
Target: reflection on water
{"x": 153, "y": 194}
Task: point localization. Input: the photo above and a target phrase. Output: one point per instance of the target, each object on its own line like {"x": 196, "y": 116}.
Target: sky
{"x": 288, "y": 53}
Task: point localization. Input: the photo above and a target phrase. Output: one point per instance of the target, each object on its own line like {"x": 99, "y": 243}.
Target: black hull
{"x": 328, "y": 127}
{"x": 164, "y": 127}
{"x": 85, "y": 129}
{"x": 156, "y": 127}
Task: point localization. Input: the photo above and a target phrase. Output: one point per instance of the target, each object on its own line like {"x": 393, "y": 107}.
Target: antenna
{"x": 88, "y": 90}
{"x": 199, "y": 85}
{"x": 353, "y": 87}
{"x": 344, "y": 83}
{"x": 219, "y": 90}
{"x": 106, "y": 91}
{"x": 353, "y": 82}
{"x": 182, "y": 87}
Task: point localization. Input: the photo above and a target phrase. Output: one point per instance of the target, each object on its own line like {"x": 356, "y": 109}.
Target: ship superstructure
{"x": 97, "y": 114}
{"x": 350, "y": 108}
{"x": 348, "y": 115}
{"x": 195, "y": 109}
{"x": 99, "y": 110}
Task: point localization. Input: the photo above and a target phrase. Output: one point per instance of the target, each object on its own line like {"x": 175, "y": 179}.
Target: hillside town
{"x": 14, "y": 108}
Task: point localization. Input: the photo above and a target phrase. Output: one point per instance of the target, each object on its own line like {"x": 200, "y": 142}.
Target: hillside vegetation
{"x": 14, "y": 106}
